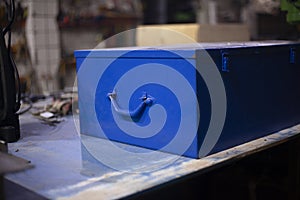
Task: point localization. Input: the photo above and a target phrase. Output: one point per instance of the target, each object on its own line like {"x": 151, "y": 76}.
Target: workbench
{"x": 58, "y": 173}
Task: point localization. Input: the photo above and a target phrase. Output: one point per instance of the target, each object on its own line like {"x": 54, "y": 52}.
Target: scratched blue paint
{"x": 261, "y": 81}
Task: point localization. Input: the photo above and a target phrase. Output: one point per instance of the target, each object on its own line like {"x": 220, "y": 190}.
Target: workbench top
{"x": 60, "y": 173}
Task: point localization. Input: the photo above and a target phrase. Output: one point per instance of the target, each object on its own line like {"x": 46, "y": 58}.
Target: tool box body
{"x": 203, "y": 99}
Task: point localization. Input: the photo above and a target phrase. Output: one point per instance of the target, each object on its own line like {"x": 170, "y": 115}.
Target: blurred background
{"x": 46, "y": 32}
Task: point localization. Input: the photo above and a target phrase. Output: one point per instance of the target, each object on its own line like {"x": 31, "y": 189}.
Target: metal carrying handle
{"x": 147, "y": 100}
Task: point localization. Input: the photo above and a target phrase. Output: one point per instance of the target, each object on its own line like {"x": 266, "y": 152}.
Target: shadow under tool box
{"x": 191, "y": 100}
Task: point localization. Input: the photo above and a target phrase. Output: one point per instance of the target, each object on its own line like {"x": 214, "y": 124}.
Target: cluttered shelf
{"x": 98, "y": 14}
{"x": 98, "y": 21}
{"x": 55, "y": 149}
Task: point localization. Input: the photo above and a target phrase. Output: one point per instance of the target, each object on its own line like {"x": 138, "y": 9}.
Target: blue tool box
{"x": 191, "y": 100}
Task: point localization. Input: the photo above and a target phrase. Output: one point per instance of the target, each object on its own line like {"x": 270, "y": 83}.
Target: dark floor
{"x": 271, "y": 174}
{"x": 13, "y": 191}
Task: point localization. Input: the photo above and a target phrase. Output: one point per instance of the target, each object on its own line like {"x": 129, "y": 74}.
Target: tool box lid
{"x": 184, "y": 50}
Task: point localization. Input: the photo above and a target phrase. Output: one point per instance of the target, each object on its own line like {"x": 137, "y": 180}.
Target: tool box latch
{"x": 225, "y": 62}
